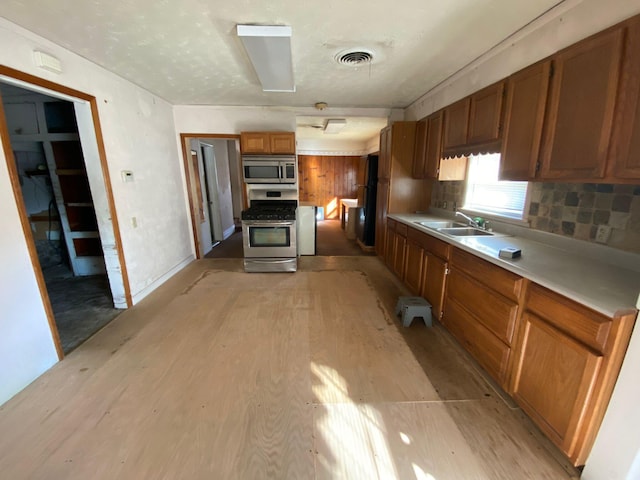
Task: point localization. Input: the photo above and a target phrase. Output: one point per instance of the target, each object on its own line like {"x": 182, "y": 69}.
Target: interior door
{"x": 201, "y": 200}
{"x": 211, "y": 190}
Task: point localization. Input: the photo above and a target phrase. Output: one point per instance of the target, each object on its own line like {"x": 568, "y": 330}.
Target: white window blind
{"x": 487, "y": 194}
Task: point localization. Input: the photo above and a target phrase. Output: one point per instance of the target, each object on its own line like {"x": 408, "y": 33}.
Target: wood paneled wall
{"x": 325, "y": 180}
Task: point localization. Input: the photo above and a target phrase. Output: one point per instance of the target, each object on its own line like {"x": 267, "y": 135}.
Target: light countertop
{"x": 349, "y": 202}
{"x": 585, "y": 274}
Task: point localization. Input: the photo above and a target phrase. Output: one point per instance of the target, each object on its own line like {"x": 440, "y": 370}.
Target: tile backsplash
{"x": 573, "y": 210}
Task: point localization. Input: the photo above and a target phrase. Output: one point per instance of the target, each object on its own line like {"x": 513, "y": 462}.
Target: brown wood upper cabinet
{"x": 456, "y": 127}
{"x": 523, "y": 120}
{"x": 420, "y": 150}
{"x": 267, "y": 142}
{"x": 396, "y": 149}
{"x": 473, "y": 124}
{"x": 428, "y": 149}
{"x": 624, "y": 152}
{"x": 485, "y": 117}
{"x": 579, "y": 118}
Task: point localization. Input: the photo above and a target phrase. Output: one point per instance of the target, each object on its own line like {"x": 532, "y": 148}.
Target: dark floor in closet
{"x": 81, "y": 305}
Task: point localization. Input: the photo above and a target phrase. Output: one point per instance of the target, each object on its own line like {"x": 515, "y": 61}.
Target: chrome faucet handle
{"x": 471, "y": 221}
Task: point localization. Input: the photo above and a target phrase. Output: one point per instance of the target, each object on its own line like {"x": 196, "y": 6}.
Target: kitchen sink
{"x": 464, "y": 232}
{"x": 441, "y": 224}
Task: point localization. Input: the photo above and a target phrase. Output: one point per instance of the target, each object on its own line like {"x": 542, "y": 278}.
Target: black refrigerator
{"x": 367, "y": 189}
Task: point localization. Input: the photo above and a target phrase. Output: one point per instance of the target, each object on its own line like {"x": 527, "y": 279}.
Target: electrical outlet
{"x": 134, "y": 222}
{"x": 603, "y": 233}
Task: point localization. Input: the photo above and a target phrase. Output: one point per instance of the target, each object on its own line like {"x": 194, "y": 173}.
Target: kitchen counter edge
{"x": 605, "y": 288}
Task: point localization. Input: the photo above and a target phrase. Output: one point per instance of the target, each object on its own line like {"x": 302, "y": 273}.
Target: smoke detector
{"x": 321, "y": 105}
{"x": 355, "y": 57}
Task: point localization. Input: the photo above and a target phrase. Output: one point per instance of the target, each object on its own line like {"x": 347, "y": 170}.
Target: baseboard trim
{"x": 366, "y": 248}
{"x": 160, "y": 280}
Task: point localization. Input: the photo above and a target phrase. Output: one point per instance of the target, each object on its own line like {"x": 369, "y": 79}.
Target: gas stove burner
{"x": 269, "y": 212}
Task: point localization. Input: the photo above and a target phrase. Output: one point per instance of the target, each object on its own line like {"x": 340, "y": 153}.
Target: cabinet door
{"x": 433, "y": 148}
{"x": 281, "y": 143}
{"x": 523, "y": 120}
{"x": 580, "y": 115}
{"x": 433, "y": 281}
{"x": 456, "y": 125}
{"x": 382, "y": 202}
{"x": 399, "y": 252}
{"x": 624, "y": 154}
{"x": 389, "y": 248}
{"x": 384, "y": 160}
{"x": 255, "y": 142}
{"x": 485, "y": 115}
{"x": 419, "y": 153}
{"x": 401, "y": 143}
{"x": 553, "y": 380}
{"x": 413, "y": 266}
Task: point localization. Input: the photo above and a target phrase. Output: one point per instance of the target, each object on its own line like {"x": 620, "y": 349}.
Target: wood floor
{"x": 221, "y": 374}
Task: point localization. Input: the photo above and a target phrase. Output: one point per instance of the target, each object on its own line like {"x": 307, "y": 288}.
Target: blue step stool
{"x": 412, "y": 307}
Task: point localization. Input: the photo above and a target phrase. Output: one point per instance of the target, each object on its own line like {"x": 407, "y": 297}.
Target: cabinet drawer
{"x": 401, "y": 228}
{"x": 391, "y": 224}
{"x": 485, "y": 347}
{"x": 578, "y": 321}
{"x": 504, "y": 282}
{"x": 494, "y": 311}
{"x": 430, "y": 244}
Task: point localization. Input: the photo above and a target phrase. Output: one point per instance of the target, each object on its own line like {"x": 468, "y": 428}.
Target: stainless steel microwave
{"x": 269, "y": 169}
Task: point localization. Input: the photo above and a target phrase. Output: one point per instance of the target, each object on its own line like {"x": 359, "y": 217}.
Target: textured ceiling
{"x": 186, "y": 51}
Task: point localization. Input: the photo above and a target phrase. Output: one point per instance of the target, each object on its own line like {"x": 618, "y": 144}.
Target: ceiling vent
{"x": 355, "y": 57}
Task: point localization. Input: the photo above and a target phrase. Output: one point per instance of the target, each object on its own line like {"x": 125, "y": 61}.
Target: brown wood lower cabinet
{"x": 568, "y": 358}
{"x": 481, "y": 310}
{"x": 555, "y": 376}
{"x": 414, "y": 264}
{"x": 557, "y": 358}
{"x": 395, "y": 247}
{"x": 425, "y": 268}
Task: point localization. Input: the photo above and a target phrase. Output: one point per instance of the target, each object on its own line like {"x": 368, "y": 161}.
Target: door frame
{"x": 29, "y": 79}
{"x": 190, "y": 179}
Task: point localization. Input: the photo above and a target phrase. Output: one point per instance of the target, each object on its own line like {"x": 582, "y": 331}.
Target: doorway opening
{"x": 216, "y": 196}
{"x": 60, "y": 181}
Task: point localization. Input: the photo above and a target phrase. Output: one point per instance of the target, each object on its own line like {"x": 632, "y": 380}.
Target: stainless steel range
{"x": 269, "y": 229}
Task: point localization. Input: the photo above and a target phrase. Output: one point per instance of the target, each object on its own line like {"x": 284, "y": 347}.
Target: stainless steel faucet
{"x": 471, "y": 221}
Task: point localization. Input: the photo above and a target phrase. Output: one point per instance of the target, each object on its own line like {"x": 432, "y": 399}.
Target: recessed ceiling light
{"x": 335, "y": 125}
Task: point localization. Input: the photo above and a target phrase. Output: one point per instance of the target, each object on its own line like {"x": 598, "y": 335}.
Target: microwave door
{"x": 262, "y": 172}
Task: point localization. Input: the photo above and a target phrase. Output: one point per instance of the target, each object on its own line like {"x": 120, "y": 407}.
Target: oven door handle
{"x": 257, "y": 260}
{"x": 262, "y": 223}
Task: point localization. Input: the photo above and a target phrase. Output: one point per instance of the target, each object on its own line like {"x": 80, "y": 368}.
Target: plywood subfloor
{"x": 222, "y": 374}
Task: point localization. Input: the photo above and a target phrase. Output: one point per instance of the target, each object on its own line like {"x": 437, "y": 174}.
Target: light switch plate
{"x": 127, "y": 176}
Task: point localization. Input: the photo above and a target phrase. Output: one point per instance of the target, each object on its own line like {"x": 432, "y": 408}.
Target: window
{"x": 487, "y": 194}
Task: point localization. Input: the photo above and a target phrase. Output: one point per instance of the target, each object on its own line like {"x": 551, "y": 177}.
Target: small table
{"x": 348, "y": 215}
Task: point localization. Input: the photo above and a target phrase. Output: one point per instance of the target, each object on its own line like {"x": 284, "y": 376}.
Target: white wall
{"x": 616, "y": 453}
{"x": 139, "y": 135}
{"x": 26, "y": 345}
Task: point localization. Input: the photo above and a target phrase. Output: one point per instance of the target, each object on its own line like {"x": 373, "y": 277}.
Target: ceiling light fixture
{"x": 269, "y": 49}
{"x": 335, "y": 125}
